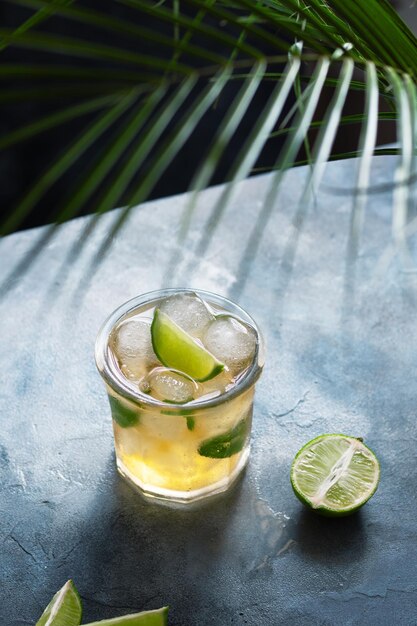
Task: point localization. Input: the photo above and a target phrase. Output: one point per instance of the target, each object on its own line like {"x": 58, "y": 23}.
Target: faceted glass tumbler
{"x": 179, "y": 453}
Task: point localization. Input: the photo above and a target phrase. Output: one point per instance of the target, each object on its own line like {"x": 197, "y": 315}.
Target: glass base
{"x": 185, "y": 497}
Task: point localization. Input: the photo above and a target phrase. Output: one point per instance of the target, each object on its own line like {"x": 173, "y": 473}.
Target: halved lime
{"x": 158, "y": 617}
{"x": 335, "y": 474}
{"x": 64, "y": 609}
{"x": 178, "y": 350}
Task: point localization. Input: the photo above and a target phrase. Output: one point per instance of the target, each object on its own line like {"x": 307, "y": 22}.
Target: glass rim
{"x": 113, "y": 377}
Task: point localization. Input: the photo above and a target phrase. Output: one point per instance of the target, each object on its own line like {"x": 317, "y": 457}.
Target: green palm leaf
{"x": 364, "y": 170}
{"x": 150, "y": 94}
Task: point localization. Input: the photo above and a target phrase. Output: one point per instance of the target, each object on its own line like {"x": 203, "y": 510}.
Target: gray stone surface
{"x": 341, "y": 358}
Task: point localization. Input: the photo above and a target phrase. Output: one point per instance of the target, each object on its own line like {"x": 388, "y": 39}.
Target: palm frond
{"x": 85, "y": 50}
{"x": 250, "y": 151}
{"x": 45, "y": 11}
{"x": 285, "y": 160}
{"x": 164, "y": 68}
{"x": 367, "y": 148}
{"x": 224, "y": 135}
{"x": 50, "y": 121}
{"x": 134, "y": 31}
{"x": 406, "y": 125}
{"x": 68, "y": 157}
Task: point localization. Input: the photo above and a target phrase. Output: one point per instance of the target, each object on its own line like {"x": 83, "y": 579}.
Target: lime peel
{"x": 64, "y": 609}
{"x": 157, "y": 617}
{"x": 176, "y": 349}
{"x": 335, "y": 474}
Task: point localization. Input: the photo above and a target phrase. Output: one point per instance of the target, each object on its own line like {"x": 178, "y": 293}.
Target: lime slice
{"x": 64, "y": 609}
{"x": 335, "y": 474}
{"x": 158, "y": 617}
{"x": 178, "y": 350}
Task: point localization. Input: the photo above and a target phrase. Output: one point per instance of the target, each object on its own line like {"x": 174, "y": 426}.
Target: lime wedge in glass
{"x": 178, "y": 350}
{"x": 64, "y": 609}
{"x": 158, "y": 617}
{"x": 335, "y": 474}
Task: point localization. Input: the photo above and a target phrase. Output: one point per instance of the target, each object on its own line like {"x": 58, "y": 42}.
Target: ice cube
{"x": 231, "y": 341}
{"x": 188, "y": 311}
{"x": 171, "y": 386}
{"x": 215, "y": 386}
{"x": 132, "y": 346}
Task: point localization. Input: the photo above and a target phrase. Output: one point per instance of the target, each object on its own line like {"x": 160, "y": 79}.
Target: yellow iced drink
{"x": 180, "y": 369}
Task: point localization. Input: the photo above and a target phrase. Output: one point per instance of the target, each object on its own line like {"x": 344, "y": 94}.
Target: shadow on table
{"x": 141, "y": 555}
{"x": 331, "y": 540}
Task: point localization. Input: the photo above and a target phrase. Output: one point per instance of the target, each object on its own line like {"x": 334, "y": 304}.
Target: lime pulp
{"x": 178, "y": 350}
{"x": 64, "y": 609}
{"x": 158, "y": 617}
{"x": 335, "y": 474}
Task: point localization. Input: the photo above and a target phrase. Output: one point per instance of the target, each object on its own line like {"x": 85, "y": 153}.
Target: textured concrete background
{"x": 341, "y": 358}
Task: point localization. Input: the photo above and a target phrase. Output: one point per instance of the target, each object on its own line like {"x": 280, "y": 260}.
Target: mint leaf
{"x": 122, "y": 414}
{"x": 227, "y": 444}
{"x": 190, "y": 422}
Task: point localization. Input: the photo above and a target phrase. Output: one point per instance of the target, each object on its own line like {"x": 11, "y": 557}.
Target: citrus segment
{"x": 64, "y": 609}
{"x": 335, "y": 474}
{"x": 178, "y": 350}
{"x": 158, "y": 617}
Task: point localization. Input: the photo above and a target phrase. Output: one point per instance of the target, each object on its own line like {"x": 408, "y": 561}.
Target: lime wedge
{"x": 177, "y": 349}
{"x": 158, "y": 617}
{"x": 64, "y": 609}
{"x": 335, "y": 474}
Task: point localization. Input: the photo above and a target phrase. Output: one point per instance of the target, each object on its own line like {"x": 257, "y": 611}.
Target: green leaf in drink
{"x": 227, "y": 444}
{"x": 335, "y": 474}
{"x": 158, "y": 617}
{"x": 178, "y": 350}
{"x": 187, "y": 413}
{"x": 190, "y": 422}
{"x": 122, "y": 413}
{"x": 64, "y": 609}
